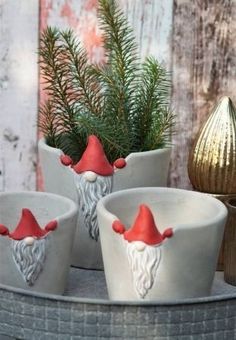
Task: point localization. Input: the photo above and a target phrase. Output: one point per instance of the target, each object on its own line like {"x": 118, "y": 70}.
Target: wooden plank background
{"x": 196, "y": 40}
{"x": 18, "y": 94}
{"x": 204, "y": 58}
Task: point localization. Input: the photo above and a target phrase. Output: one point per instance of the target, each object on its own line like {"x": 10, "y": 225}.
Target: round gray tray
{"x": 85, "y": 312}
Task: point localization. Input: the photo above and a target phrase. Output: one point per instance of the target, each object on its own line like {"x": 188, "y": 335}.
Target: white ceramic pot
{"x": 44, "y": 268}
{"x": 182, "y": 266}
{"x": 149, "y": 168}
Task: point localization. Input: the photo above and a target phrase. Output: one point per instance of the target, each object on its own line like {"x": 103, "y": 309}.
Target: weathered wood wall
{"x": 18, "y": 94}
{"x": 204, "y": 69}
{"x": 195, "y": 39}
{"x": 151, "y": 20}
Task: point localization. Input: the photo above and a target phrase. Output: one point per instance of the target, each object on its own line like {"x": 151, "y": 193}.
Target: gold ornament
{"x": 212, "y": 160}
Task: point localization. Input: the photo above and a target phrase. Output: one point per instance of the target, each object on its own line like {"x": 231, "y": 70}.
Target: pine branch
{"x": 85, "y": 86}
{"x": 47, "y": 123}
{"x": 111, "y": 137}
{"x": 119, "y": 74}
{"x": 54, "y": 71}
{"x": 160, "y": 131}
{"x": 71, "y": 88}
{"x": 152, "y": 118}
{"x": 72, "y": 143}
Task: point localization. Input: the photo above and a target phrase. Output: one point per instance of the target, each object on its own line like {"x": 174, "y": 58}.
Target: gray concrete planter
{"x": 182, "y": 266}
{"x": 45, "y": 268}
{"x": 143, "y": 169}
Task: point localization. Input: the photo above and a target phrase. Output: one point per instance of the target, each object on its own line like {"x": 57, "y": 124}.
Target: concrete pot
{"x": 142, "y": 169}
{"x": 187, "y": 262}
{"x": 54, "y": 264}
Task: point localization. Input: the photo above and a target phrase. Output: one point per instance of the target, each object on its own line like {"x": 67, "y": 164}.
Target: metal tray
{"x": 84, "y": 312}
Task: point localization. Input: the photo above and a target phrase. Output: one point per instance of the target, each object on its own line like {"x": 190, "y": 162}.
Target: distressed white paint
{"x": 79, "y": 15}
{"x": 150, "y": 19}
{"x": 18, "y": 94}
{"x": 152, "y": 24}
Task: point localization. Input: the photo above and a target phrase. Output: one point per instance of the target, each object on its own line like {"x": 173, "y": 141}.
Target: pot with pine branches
{"x": 109, "y": 120}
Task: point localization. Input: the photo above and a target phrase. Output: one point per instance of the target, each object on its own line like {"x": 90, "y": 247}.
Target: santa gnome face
{"x": 143, "y": 247}
{"x": 29, "y": 245}
{"x": 93, "y": 179}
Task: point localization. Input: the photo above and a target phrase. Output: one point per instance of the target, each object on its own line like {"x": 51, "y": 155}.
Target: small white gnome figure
{"x": 93, "y": 179}
{"x": 143, "y": 246}
{"x": 29, "y": 245}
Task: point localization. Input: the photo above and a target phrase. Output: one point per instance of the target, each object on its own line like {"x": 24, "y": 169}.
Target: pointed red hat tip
{"x": 94, "y": 159}
{"x": 28, "y": 226}
{"x": 65, "y": 160}
{"x": 3, "y": 230}
{"x": 144, "y": 228}
{"x": 51, "y": 226}
{"x": 120, "y": 163}
{"x": 118, "y": 227}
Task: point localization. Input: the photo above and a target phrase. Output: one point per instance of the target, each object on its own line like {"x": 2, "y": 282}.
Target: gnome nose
{"x": 29, "y": 240}
{"x": 140, "y": 246}
{"x": 90, "y": 176}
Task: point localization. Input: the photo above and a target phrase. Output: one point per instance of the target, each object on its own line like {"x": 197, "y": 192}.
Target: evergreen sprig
{"x": 47, "y": 122}
{"x": 153, "y": 118}
{"x": 123, "y": 102}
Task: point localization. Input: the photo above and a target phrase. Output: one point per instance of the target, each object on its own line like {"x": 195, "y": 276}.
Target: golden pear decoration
{"x": 212, "y": 160}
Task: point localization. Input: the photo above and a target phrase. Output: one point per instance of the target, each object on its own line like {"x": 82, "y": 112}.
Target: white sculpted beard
{"x": 29, "y": 258}
{"x": 89, "y": 193}
{"x": 144, "y": 265}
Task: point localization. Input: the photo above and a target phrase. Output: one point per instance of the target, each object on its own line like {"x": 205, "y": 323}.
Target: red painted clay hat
{"x": 28, "y": 226}
{"x": 144, "y": 228}
{"x": 94, "y": 159}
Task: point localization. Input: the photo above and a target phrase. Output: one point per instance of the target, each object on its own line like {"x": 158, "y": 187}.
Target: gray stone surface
{"x": 37, "y": 317}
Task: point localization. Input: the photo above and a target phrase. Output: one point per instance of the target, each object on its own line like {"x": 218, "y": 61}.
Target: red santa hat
{"x": 28, "y": 226}
{"x": 144, "y": 228}
{"x": 94, "y": 159}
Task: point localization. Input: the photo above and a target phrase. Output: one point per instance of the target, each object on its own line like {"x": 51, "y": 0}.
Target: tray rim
{"x": 138, "y": 303}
